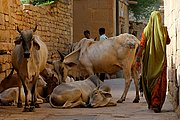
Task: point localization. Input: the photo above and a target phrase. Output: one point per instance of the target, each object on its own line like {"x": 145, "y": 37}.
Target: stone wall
{"x": 172, "y": 21}
{"x": 123, "y": 17}
{"x": 137, "y": 28}
{"x": 91, "y": 15}
{"x": 54, "y": 26}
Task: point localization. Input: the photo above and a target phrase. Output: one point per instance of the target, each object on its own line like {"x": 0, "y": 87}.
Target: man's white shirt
{"x": 103, "y": 37}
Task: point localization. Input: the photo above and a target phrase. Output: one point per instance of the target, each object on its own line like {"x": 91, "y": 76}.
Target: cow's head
{"x": 99, "y": 98}
{"x": 26, "y": 38}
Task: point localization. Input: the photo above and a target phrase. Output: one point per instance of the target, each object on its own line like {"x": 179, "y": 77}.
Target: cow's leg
{"x": 111, "y": 103}
{"x": 75, "y": 96}
{"x": 26, "y": 106}
{"x": 135, "y": 75}
{"x": 34, "y": 94}
{"x": 78, "y": 103}
{"x": 65, "y": 74}
{"x": 19, "y": 104}
{"x": 128, "y": 79}
{"x": 102, "y": 76}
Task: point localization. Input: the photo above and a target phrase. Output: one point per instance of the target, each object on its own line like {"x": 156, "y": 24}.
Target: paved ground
{"x": 123, "y": 111}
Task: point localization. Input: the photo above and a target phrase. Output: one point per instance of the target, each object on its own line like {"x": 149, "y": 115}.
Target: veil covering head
{"x": 154, "y": 53}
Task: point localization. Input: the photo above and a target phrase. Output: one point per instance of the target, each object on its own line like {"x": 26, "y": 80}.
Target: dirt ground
{"x": 123, "y": 111}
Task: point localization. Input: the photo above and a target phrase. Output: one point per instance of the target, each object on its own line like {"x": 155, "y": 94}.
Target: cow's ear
{"x": 18, "y": 40}
{"x": 106, "y": 94}
{"x": 36, "y": 45}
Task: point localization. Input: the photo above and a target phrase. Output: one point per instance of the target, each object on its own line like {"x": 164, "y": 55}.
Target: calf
{"x": 73, "y": 94}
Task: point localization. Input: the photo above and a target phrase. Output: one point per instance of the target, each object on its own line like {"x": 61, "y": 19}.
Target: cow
{"x": 74, "y": 94}
{"x": 29, "y": 58}
{"x": 51, "y": 79}
{"x": 109, "y": 56}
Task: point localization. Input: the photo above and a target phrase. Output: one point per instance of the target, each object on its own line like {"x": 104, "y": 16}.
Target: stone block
{"x": 4, "y": 67}
{"x": 5, "y": 6}
{"x": 1, "y": 19}
{"x": 6, "y": 18}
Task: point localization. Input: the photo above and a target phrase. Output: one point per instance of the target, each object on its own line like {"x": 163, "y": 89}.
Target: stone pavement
{"x": 123, "y": 111}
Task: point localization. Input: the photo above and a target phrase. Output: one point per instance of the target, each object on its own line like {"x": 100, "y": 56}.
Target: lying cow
{"x": 107, "y": 56}
{"x": 29, "y": 58}
{"x": 77, "y": 93}
{"x": 10, "y": 96}
{"x": 12, "y": 80}
{"x": 9, "y": 85}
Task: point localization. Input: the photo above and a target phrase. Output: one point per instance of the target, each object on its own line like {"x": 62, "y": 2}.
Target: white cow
{"x": 29, "y": 58}
{"x": 108, "y": 56}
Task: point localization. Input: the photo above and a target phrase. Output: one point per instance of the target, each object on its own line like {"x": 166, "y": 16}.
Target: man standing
{"x": 102, "y": 34}
{"x": 102, "y": 38}
{"x": 87, "y": 34}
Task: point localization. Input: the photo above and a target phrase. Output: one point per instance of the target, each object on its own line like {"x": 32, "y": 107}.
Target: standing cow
{"x": 29, "y": 58}
{"x": 107, "y": 56}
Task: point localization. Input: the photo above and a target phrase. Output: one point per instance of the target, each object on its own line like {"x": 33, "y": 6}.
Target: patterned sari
{"x": 154, "y": 40}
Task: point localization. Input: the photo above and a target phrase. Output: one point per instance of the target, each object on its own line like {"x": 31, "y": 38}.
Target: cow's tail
{"x": 54, "y": 106}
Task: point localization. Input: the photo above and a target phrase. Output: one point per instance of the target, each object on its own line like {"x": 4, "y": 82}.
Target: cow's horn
{"x": 61, "y": 55}
{"x": 35, "y": 28}
{"x": 18, "y": 29}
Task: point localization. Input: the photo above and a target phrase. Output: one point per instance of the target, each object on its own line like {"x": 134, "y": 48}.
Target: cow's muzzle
{"x": 26, "y": 55}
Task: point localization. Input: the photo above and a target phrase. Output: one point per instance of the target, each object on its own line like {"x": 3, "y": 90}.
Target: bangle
{"x": 138, "y": 59}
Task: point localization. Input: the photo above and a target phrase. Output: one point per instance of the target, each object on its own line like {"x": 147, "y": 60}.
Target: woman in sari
{"x": 152, "y": 50}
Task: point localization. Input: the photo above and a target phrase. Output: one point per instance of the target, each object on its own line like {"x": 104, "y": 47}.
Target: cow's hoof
{"x": 37, "y": 105}
{"x": 32, "y": 109}
{"x": 19, "y": 105}
{"x": 120, "y": 100}
{"x": 26, "y": 109}
{"x": 136, "y": 101}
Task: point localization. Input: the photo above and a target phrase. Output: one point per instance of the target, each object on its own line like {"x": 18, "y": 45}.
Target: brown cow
{"x": 29, "y": 58}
